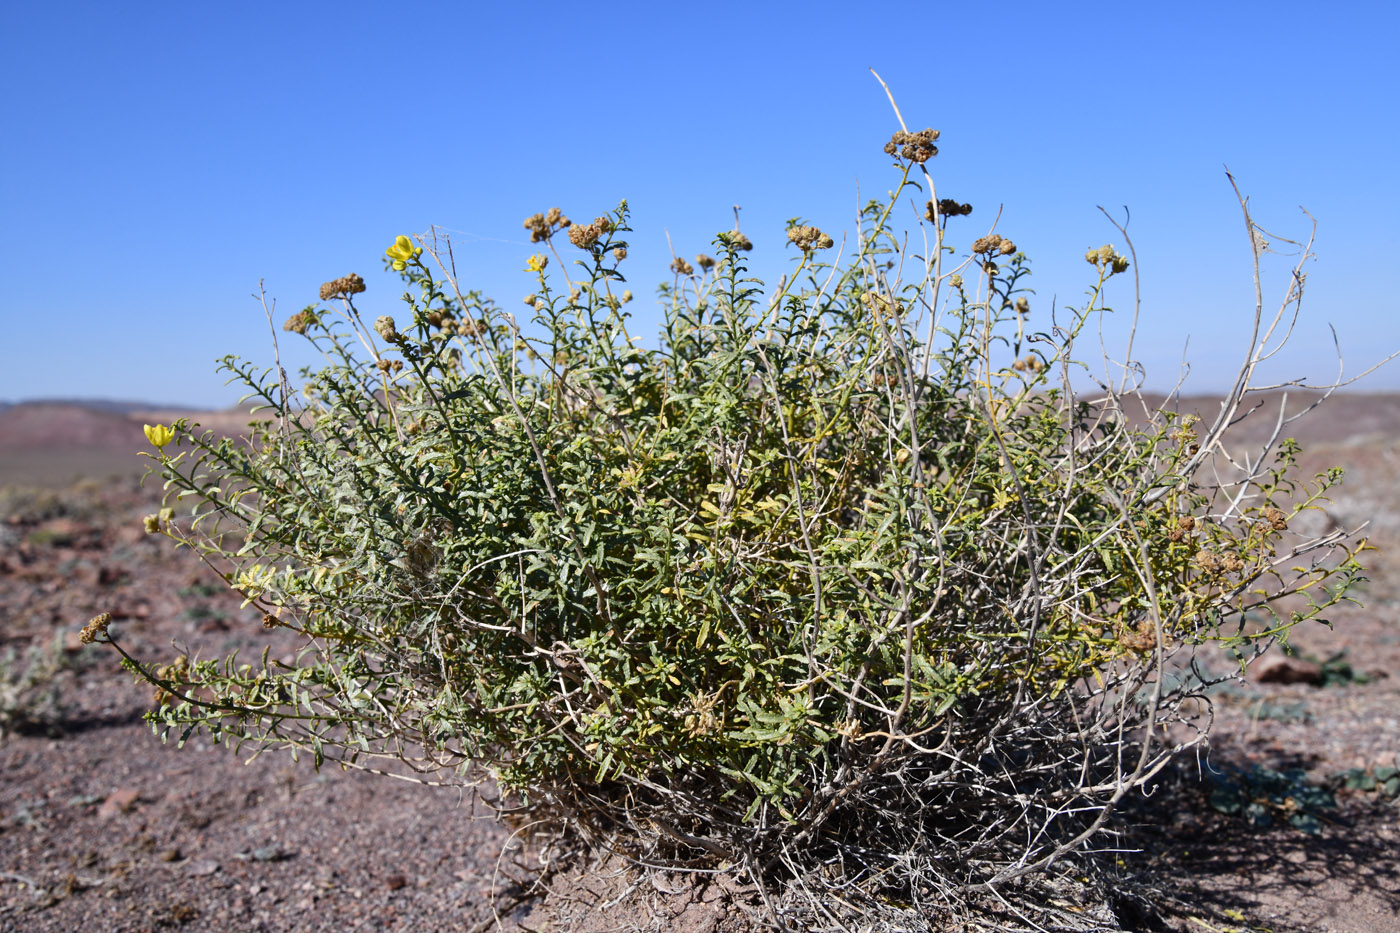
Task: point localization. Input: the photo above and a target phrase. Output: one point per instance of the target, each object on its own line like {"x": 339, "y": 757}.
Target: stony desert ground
{"x": 104, "y": 828}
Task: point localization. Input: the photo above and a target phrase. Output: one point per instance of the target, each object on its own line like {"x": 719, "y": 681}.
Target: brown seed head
{"x": 681, "y": 267}
{"x": 343, "y": 287}
{"x": 298, "y": 322}
{"x": 584, "y": 236}
{"x": 384, "y": 326}
{"x": 914, "y": 147}
{"x": 1007, "y": 247}
{"x": 947, "y": 207}
{"x": 705, "y": 262}
{"x": 986, "y": 244}
{"x": 538, "y": 226}
{"x": 1276, "y": 519}
{"x": 96, "y": 628}
{"x": 808, "y": 238}
{"x": 619, "y": 254}
{"x": 1023, "y": 305}
{"x": 1139, "y": 639}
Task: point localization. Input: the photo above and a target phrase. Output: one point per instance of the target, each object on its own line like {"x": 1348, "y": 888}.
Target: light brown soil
{"x": 104, "y": 828}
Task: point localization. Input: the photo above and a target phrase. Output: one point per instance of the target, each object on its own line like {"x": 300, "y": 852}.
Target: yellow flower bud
{"x": 403, "y": 252}
{"x": 158, "y": 434}
{"x": 537, "y": 262}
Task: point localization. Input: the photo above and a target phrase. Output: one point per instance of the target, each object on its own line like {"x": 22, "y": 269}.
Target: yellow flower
{"x": 402, "y": 252}
{"x": 537, "y": 262}
{"x": 159, "y": 435}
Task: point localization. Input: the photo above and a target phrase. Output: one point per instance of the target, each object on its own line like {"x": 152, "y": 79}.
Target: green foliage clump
{"x": 1260, "y": 795}
{"x": 845, "y": 567}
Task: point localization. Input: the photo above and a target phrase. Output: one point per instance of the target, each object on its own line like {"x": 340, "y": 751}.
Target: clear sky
{"x": 158, "y": 160}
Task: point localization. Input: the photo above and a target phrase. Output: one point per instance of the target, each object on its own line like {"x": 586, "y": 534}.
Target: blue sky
{"x": 160, "y": 160}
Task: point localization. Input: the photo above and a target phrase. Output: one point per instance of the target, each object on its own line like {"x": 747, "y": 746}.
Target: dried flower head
{"x": 620, "y": 254}
{"x": 913, "y": 147}
{"x": 1208, "y": 561}
{"x": 626, "y": 296}
{"x": 740, "y": 241}
{"x": 1120, "y": 264}
{"x": 986, "y": 244}
{"x": 1023, "y": 305}
{"x": 299, "y": 322}
{"x": 96, "y": 628}
{"x": 1184, "y": 526}
{"x": 955, "y": 280}
{"x": 1139, "y": 639}
{"x": 384, "y": 326}
{"x": 705, "y": 262}
{"x": 540, "y": 229}
{"x": 808, "y": 238}
{"x": 343, "y": 287}
{"x": 1276, "y": 519}
{"x": 947, "y": 207}
{"x": 681, "y": 267}
{"x": 1007, "y": 247}
{"x": 584, "y": 236}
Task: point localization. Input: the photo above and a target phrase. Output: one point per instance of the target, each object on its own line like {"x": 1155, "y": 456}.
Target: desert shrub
{"x": 851, "y": 571}
{"x": 29, "y": 691}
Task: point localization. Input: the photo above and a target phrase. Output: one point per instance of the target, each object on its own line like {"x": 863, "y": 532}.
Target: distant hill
{"x": 116, "y": 406}
{"x": 66, "y": 425}
{"x": 52, "y": 443}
